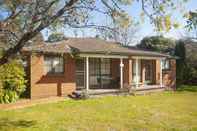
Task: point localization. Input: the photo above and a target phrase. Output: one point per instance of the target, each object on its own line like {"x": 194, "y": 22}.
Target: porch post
{"x": 137, "y": 72}
{"x": 87, "y": 73}
{"x": 130, "y": 72}
{"x": 121, "y": 73}
{"x": 143, "y": 72}
{"x": 161, "y": 74}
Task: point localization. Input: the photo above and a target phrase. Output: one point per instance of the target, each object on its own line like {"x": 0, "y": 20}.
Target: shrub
{"x": 12, "y": 82}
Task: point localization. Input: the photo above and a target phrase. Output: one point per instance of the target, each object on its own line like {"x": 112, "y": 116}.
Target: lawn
{"x": 163, "y": 111}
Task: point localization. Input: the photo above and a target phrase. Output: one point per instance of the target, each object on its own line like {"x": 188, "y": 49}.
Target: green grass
{"x": 187, "y": 88}
{"x": 164, "y": 111}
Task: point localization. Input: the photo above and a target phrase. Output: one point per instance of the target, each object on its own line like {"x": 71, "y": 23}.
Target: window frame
{"x": 164, "y": 67}
{"x": 105, "y": 67}
{"x": 51, "y": 64}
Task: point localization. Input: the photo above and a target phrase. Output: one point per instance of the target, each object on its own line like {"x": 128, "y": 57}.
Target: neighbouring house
{"x": 63, "y": 67}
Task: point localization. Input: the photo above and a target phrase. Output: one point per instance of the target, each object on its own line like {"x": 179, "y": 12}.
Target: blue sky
{"x": 145, "y": 29}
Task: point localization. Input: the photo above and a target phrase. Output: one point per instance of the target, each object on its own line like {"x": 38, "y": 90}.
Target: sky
{"x": 145, "y": 29}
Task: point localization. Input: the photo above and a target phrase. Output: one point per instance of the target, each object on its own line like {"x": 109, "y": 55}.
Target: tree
{"x": 56, "y": 37}
{"x": 191, "y": 62}
{"x": 180, "y": 52}
{"x": 186, "y": 65}
{"x": 192, "y": 24}
{"x": 157, "y": 43}
{"x": 125, "y": 36}
{"x": 26, "y": 18}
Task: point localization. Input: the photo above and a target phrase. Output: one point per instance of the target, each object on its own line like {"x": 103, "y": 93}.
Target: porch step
{"x": 148, "y": 91}
{"x": 142, "y": 91}
{"x": 102, "y": 92}
{"x": 108, "y": 92}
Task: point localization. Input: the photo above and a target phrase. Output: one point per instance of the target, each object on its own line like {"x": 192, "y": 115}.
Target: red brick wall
{"x": 158, "y": 71}
{"x": 115, "y": 70}
{"x": 169, "y": 76}
{"x": 126, "y": 72}
{"x": 43, "y": 85}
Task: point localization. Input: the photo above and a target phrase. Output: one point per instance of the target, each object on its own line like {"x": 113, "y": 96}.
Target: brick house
{"x": 60, "y": 68}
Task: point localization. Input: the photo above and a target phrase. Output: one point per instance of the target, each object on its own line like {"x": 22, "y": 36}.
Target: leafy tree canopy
{"x": 56, "y": 37}
{"x": 125, "y": 36}
{"x": 23, "y": 19}
{"x": 157, "y": 43}
{"x": 186, "y": 50}
{"x": 192, "y": 23}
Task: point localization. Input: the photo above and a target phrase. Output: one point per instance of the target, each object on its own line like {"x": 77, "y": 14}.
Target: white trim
{"x": 161, "y": 74}
{"x": 102, "y": 56}
{"x": 87, "y": 73}
{"x": 137, "y": 72}
{"x": 121, "y": 73}
{"x": 148, "y": 57}
{"x": 130, "y": 71}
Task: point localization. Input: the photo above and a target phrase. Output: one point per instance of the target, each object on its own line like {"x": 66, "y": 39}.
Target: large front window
{"x": 53, "y": 64}
{"x": 136, "y": 74}
{"x": 100, "y": 73}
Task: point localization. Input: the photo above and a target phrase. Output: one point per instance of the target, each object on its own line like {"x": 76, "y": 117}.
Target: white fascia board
{"x": 147, "y": 57}
{"x": 102, "y": 56}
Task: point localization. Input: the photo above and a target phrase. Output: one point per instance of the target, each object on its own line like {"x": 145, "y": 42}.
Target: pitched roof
{"x": 57, "y": 47}
{"x": 89, "y": 45}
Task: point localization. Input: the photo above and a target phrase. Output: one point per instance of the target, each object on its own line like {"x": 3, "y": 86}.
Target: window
{"x": 53, "y": 64}
{"x": 135, "y": 75}
{"x": 100, "y": 72}
{"x": 166, "y": 64}
{"x": 105, "y": 66}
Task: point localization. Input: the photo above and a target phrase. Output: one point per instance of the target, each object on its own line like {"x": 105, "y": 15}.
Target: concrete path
{"x": 22, "y": 103}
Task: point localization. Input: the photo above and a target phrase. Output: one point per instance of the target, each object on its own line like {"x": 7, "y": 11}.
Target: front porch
{"x": 99, "y": 74}
{"x": 144, "y": 90}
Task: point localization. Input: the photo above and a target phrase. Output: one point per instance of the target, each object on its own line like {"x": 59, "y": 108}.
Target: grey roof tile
{"x": 89, "y": 45}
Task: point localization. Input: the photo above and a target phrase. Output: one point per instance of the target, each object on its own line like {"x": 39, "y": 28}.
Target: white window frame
{"x": 166, "y": 64}
{"x": 51, "y": 61}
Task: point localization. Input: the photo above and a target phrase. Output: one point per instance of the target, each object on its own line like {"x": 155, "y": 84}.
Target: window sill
{"x": 166, "y": 69}
{"x": 54, "y": 74}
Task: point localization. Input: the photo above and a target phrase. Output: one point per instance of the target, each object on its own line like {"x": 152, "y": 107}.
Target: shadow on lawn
{"x": 187, "y": 88}
{"x": 5, "y": 123}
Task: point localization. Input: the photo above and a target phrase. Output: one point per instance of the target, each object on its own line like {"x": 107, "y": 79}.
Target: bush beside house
{"x": 12, "y": 81}
{"x": 187, "y": 62}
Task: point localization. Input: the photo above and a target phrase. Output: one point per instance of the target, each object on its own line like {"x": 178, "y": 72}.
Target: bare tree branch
{"x": 29, "y": 18}
{"x": 92, "y": 26}
{"x": 27, "y": 36}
